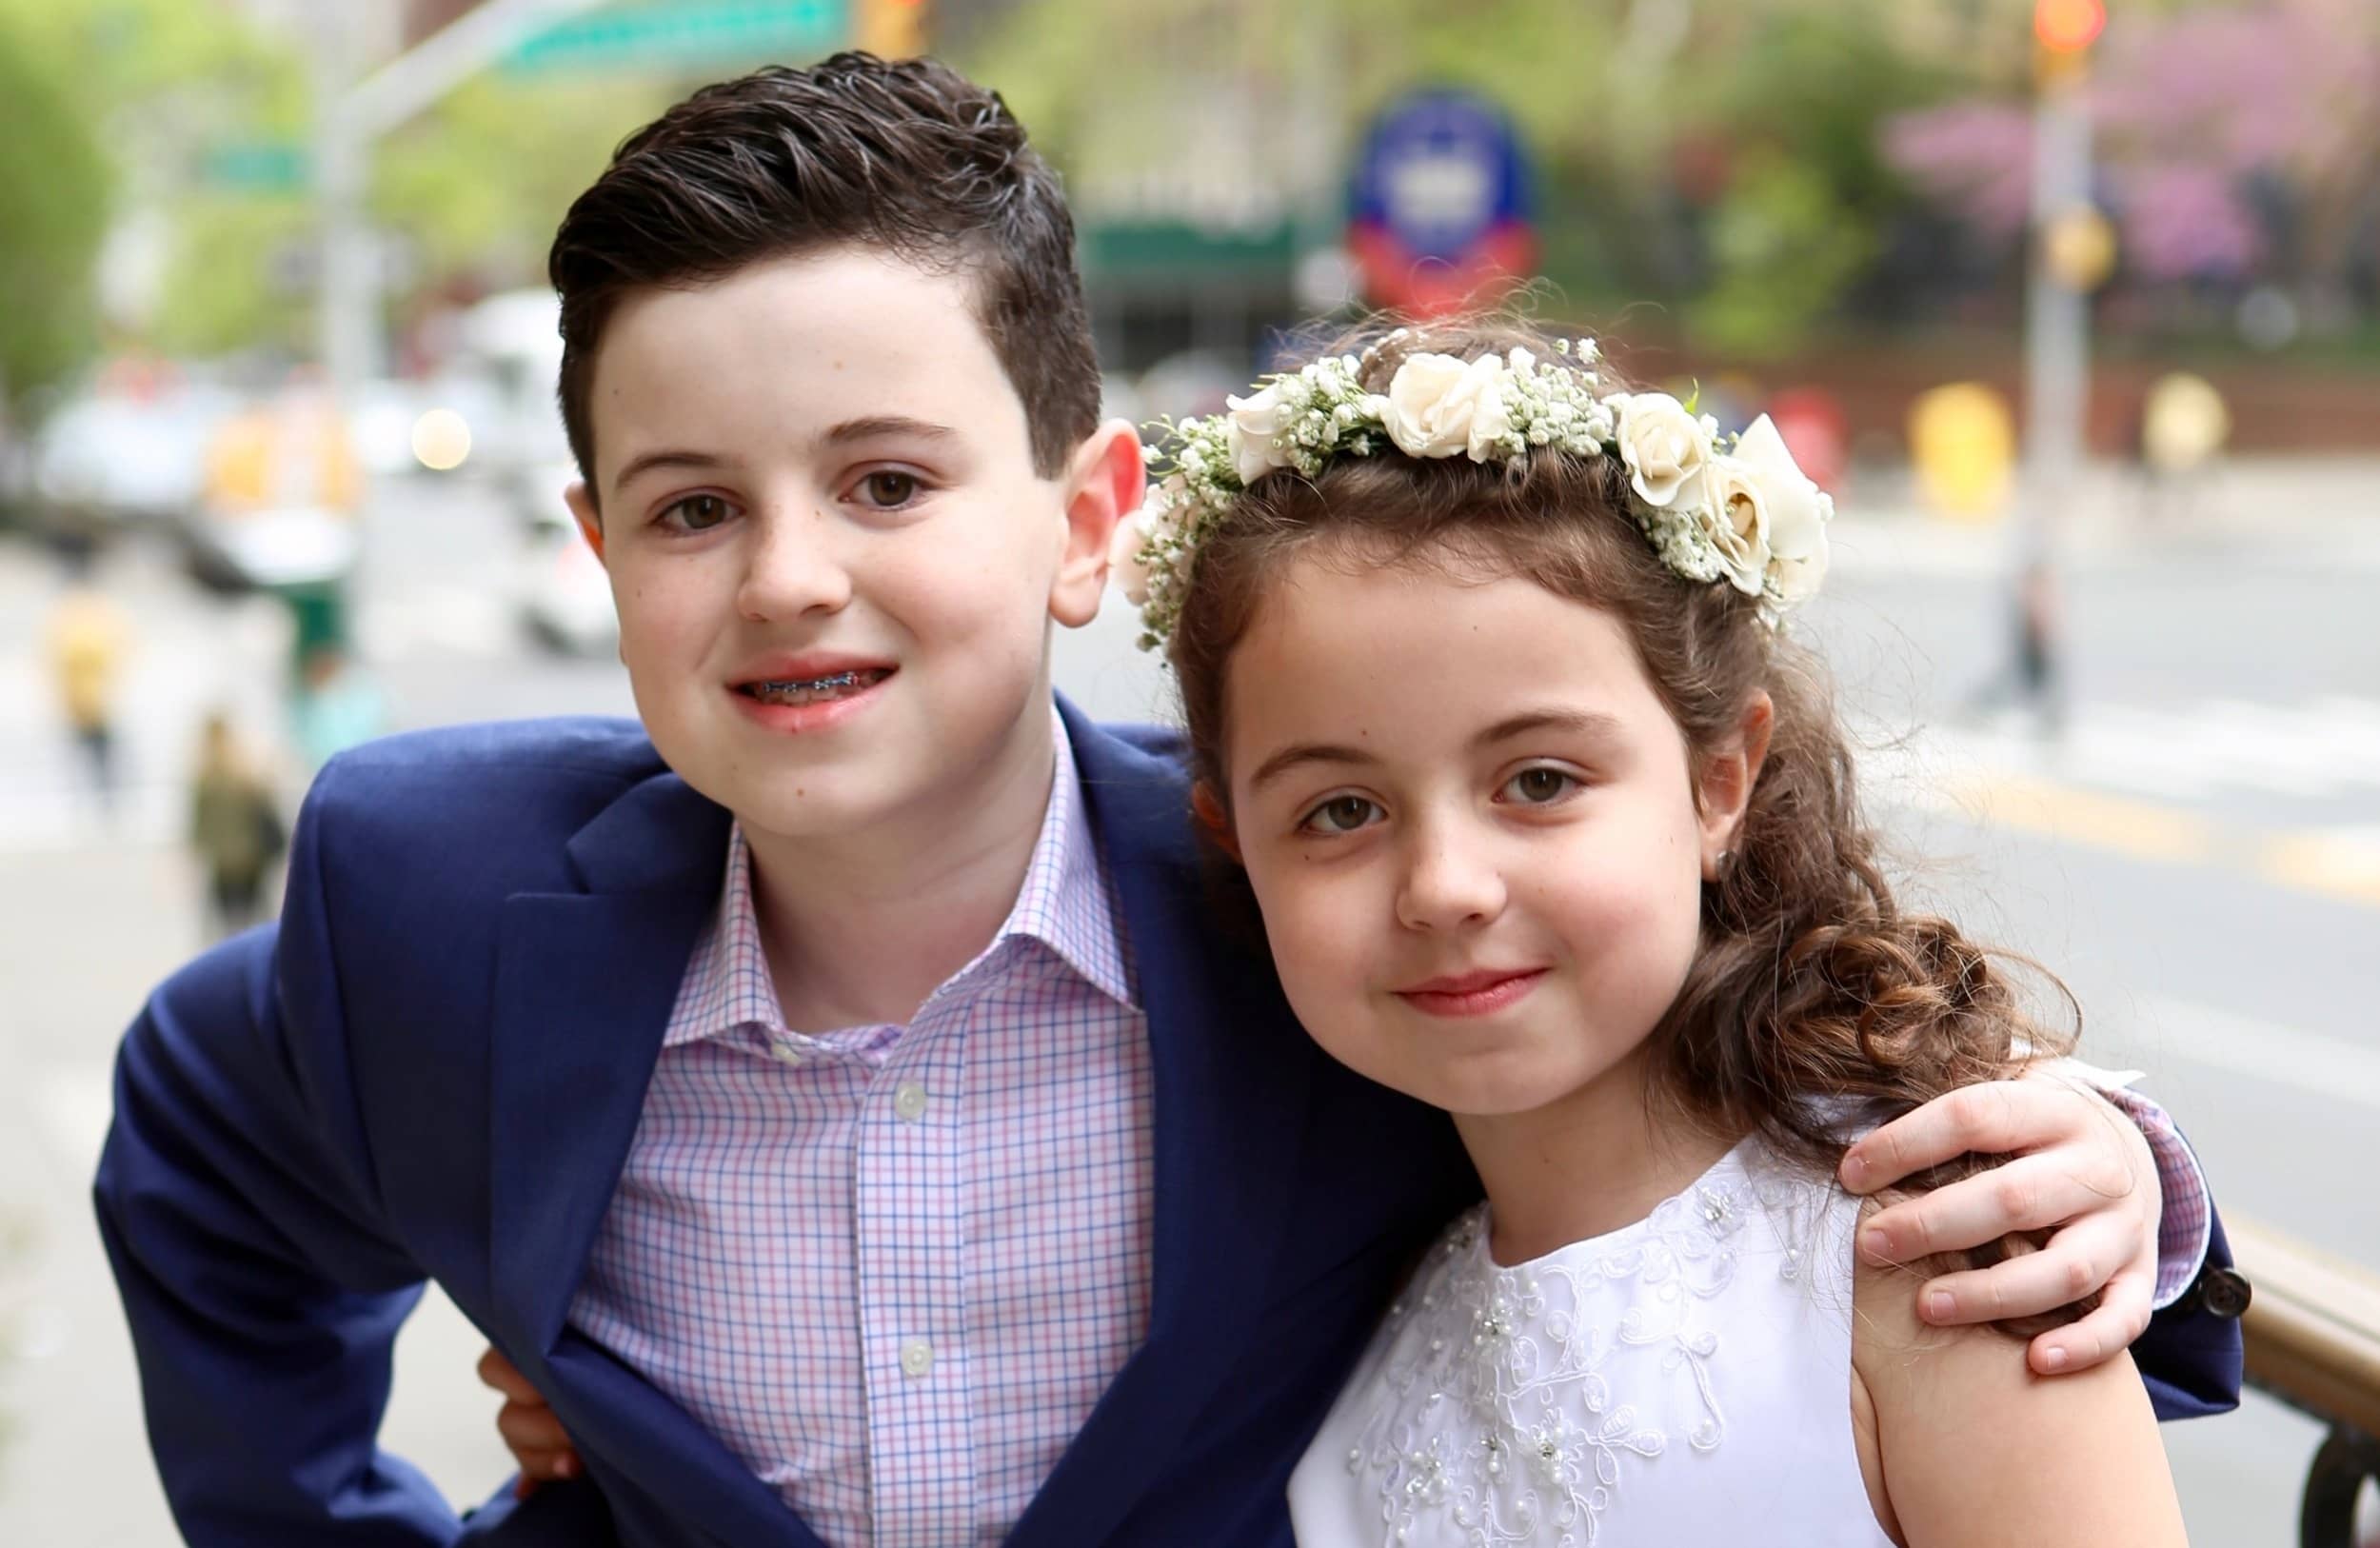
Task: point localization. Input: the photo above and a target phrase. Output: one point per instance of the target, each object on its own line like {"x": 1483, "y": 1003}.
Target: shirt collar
{"x": 1066, "y": 904}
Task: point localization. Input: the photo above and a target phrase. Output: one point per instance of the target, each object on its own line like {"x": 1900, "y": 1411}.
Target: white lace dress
{"x": 1684, "y": 1379}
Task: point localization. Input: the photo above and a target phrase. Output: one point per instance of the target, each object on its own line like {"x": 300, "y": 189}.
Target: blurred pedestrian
{"x": 236, "y": 829}
{"x": 88, "y": 640}
{"x": 2032, "y": 678}
{"x": 335, "y": 704}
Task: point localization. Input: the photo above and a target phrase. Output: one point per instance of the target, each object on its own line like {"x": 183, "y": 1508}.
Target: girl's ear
{"x": 1727, "y": 777}
{"x": 1211, "y": 816}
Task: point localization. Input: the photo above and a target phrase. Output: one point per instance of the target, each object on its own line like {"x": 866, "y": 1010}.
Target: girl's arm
{"x": 1962, "y": 1444}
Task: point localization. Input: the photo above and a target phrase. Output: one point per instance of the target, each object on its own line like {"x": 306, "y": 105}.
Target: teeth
{"x": 811, "y": 690}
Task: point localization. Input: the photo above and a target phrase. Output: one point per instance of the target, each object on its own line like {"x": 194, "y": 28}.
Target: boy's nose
{"x": 792, "y": 567}
{"x": 1448, "y": 885}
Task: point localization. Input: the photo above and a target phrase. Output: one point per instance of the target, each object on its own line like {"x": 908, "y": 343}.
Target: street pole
{"x": 351, "y": 117}
{"x": 2058, "y": 322}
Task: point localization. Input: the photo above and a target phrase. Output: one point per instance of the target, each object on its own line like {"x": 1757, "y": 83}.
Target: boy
{"x": 829, "y": 1092}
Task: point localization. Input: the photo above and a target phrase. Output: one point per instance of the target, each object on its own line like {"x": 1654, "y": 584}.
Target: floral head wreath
{"x": 1736, "y": 510}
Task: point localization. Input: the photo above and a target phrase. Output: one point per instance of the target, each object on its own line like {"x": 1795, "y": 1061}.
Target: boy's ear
{"x": 582, "y": 503}
{"x": 1727, "y": 777}
{"x": 1211, "y": 816}
{"x": 1105, "y": 483}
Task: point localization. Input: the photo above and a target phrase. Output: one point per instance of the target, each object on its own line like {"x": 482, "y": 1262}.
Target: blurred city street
{"x": 2073, "y": 305}
{"x": 2198, "y": 855}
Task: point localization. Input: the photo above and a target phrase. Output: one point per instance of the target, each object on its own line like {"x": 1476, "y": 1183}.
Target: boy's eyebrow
{"x": 878, "y": 426}
{"x": 668, "y": 457}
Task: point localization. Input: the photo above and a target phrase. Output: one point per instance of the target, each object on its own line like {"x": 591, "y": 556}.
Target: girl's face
{"x": 1469, "y": 821}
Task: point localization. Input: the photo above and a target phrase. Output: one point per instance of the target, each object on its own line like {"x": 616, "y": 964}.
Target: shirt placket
{"x": 909, "y": 1228}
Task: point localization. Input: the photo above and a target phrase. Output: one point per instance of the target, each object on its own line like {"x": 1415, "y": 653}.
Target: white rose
{"x": 1799, "y": 509}
{"x": 1735, "y": 516}
{"x": 1438, "y": 407}
{"x": 1125, "y": 567}
{"x": 1254, "y": 422}
{"x": 1663, "y": 444}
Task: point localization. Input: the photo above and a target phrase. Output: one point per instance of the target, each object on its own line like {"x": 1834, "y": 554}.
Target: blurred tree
{"x": 1634, "y": 109}
{"x": 198, "y": 111}
{"x": 2206, "y": 119}
{"x": 479, "y": 183}
{"x": 54, "y": 215}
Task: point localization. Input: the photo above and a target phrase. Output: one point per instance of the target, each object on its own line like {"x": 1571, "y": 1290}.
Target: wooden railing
{"x": 2313, "y": 1330}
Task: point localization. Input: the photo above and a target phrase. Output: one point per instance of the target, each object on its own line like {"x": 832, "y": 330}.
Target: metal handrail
{"x": 2313, "y": 1332}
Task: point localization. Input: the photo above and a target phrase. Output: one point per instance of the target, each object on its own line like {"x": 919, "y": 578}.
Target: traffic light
{"x": 891, "y": 29}
{"x": 2063, "y": 32}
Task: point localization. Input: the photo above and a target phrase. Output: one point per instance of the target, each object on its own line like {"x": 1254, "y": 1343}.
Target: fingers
{"x": 2123, "y": 1316}
{"x": 1993, "y": 1118}
{"x": 538, "y": 1444}
{"x": 528, "y": 1426}
{"x": 2028, "y": 1194}
{"x": 2079, "y": 1260}
{"x": 497, "y": 1372}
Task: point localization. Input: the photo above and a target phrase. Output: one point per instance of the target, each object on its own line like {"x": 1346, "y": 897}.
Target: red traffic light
{"x": 2068, "y": 26}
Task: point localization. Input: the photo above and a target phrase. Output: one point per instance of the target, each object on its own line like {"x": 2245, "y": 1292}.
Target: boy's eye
{"x": 890, "y": 489}
{"x": 1539, "y": 786}
{"x": 696, "y": 512}
{"x": 1340, "y": 814}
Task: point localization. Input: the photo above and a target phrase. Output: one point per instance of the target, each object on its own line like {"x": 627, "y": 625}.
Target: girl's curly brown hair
{"x": 1814, "y": 993}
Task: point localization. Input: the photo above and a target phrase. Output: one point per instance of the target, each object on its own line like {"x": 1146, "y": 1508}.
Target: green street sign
{"x": 656, "y": 35}
{"x": 256, "y": 166}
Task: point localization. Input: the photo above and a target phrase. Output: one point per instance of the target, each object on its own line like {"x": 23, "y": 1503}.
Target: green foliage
{"x": 1785, "y": 244}
{"x": 54, "y": 215}
{"x": 479, "y": 183}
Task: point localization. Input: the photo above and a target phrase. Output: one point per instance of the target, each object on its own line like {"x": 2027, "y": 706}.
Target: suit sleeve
{"x": 2191, "y": 1357}
{"x": 264, "y": 1286}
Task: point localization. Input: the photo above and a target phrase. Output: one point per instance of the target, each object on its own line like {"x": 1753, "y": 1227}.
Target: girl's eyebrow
{"x": 1584, "y": 723}
{"x": 1299, "y": 754}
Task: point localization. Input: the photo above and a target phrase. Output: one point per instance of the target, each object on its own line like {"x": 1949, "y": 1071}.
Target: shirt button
{"x": 917, "y": 1357}
{"x": 910, "y": 1101}
{"x": 784, "y": 1053}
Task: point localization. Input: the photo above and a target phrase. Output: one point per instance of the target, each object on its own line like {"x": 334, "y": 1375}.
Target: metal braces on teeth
{"x": 840, "y": 679}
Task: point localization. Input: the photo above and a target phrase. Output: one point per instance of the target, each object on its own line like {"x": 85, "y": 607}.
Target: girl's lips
{"x": 1471, "y": 994}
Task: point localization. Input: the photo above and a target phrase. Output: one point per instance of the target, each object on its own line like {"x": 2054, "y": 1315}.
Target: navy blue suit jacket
{"x": 433, "y": 1068}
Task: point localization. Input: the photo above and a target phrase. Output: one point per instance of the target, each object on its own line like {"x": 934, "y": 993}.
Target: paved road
{"x": 2199, "y": 857}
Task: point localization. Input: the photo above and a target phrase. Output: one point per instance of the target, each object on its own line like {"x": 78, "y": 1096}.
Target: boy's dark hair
{"x": 907, "y": 156}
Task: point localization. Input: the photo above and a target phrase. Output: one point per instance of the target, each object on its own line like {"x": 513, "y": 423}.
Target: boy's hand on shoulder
{"x": 2077, "y": 1166}
{"x": 530, "y": 1429}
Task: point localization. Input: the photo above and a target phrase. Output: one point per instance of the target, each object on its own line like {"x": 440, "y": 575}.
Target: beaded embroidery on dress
{"x": 1684, "y": 1379}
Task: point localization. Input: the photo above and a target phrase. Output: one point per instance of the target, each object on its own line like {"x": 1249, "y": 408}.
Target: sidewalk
{"x": 83, "y": 937}
{"x": 2290, "y": 513}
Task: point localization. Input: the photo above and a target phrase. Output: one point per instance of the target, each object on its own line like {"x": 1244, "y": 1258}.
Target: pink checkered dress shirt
{"x": 894, "y": 1267}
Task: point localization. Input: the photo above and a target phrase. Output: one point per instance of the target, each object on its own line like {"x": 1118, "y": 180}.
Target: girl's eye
{"x": 1340, "y": 814}
{"x": 890, "y": 489}
{"x": 1539, "y": 786}
{"x": 697, "y": 512}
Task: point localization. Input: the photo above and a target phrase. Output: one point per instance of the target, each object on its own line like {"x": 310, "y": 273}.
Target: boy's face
{"x": 834, "y": 562}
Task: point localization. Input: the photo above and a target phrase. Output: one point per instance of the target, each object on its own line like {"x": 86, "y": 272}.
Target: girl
{"x": 1552, "y": 828}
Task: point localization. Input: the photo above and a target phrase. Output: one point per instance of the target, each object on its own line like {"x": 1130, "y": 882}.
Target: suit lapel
{"x": 585, "y": 986}
{"x": 1232, "y": 1076}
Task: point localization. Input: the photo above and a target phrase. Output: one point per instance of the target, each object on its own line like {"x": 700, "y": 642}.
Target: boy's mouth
{"x": 815, "y": 690}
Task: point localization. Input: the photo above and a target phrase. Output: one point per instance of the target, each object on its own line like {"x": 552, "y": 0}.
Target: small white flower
{"x": 1663, "y": 444}
{"x": 1252, "y": 424}
{"x": 1438, "y": 407}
